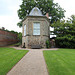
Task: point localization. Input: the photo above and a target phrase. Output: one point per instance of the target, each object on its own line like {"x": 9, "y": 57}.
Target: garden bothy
{"x": 35, "y": 29}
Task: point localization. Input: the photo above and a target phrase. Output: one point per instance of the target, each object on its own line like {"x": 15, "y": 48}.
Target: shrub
{"x": 65, "y": 42}
{"x": 47, "y": 44}
{"x": 20, "y": 37}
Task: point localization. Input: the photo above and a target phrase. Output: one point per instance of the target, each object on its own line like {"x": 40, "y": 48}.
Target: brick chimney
{"x": 47, "y": 15}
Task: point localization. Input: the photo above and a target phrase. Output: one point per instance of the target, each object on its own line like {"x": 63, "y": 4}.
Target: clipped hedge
{"x": 65, "y": 42}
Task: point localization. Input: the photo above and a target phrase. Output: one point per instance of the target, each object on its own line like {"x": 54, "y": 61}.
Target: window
{"x": 24, "y": 30}
{"x": 36, "y": 28}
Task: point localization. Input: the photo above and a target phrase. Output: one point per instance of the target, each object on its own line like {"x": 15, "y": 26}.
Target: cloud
{"x": 10, "y": 23}
{"x": 68, "y": 5}
{"x": 9, "y": 17}
{"x": 7, "y": 7}
{"x": 8, "y": 14}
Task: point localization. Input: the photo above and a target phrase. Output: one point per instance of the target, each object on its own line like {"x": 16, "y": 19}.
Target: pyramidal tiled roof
{"x": 35, "y": 12}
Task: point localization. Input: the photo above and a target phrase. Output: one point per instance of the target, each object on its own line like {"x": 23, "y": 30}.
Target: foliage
{"x": 60, "y": 62}
{"x": 65, "y": 32}
{"x": 8, "y": 58}
{"x": 65, "y": 41}
{"x": 9, "y": 31}
{"x": 47, "y": 44}
{"x": 20, "y": 37}
{"x": 13, "y": 32}
{"x": 46, "y": 6}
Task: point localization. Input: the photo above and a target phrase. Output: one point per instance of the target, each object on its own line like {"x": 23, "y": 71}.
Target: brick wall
{"x": 7, "y": 38}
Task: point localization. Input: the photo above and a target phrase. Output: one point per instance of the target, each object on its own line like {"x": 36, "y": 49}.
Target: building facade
{"x": 35, "y": 30}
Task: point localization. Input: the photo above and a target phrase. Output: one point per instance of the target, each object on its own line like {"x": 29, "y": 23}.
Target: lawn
{"x": 60, "y": 62}
{"x": 8, "y": 58}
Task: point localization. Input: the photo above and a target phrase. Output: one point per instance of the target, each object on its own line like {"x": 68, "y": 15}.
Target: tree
{"x": 46, "y": 6}
{"x": 65, "y": 32}
{"x": 20, "y": 37}
{"x": 71, "y": 19}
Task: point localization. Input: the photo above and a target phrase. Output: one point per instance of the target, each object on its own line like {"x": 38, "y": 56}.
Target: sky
{"x": 9, "y": 17}
{"x": 8, "y": 14}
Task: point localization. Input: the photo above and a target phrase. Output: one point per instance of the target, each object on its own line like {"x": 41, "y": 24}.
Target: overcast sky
{"x": 9, "y": 17}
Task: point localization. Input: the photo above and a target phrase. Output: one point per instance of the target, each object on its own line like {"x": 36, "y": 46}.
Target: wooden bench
{"x": 35, "y": 46}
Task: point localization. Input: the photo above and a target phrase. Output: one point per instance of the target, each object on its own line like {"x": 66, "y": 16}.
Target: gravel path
{"x": 19, "y": 48}
{"x": 32, "y": 63}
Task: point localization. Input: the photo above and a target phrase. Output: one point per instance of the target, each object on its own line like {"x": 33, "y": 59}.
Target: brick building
{"x": 35, "y": 29}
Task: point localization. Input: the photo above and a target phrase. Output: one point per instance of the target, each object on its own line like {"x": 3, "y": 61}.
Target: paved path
{"x": 32, "y": 63}
{"x": 19, "y": 48}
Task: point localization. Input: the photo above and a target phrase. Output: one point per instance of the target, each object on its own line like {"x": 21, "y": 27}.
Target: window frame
{"x": 35, "y": 29}
{"x": 24, "y": 29}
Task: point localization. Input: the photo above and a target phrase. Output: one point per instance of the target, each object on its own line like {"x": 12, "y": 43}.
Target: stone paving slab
{"x": 19, "y": 48}
{"x": 32, "y": 63}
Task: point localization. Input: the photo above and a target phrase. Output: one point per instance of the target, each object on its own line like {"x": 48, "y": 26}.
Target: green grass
{"x": 15, "y": 44}
{"x": 60, "y": 62}
{"x": 8, "y": 58}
